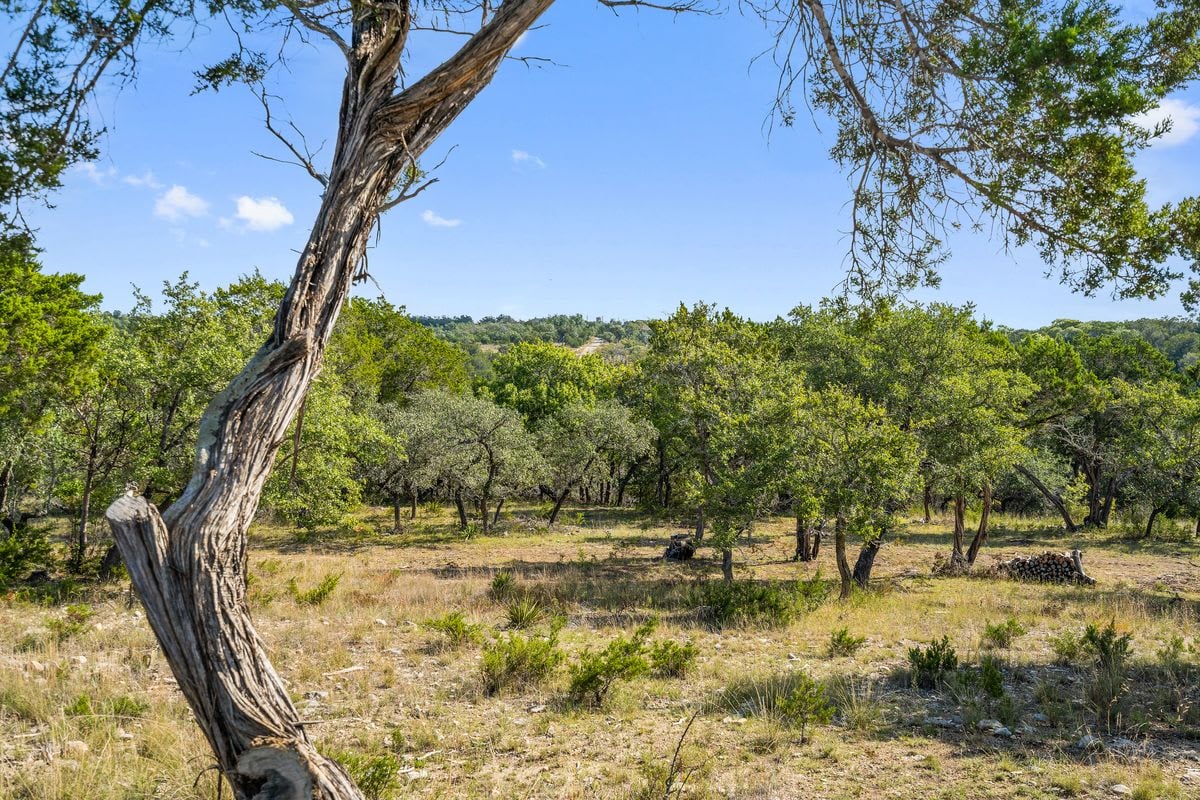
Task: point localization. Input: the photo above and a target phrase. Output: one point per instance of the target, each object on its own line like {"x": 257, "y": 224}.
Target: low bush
{"x": 843, "y": 643}
{"x": 1068, "y": 647}
{"x": 669, "y": 659}
{"x": 455, "y": 630}
{"x": 621, "y": 659}
{"x": 807, "y": 704}
{"x": 1001, "y": 634}
{"x": 72, "y": 623}
{"x": 1107, "y": 692}
{"x": 755, "y": 603}
{"x": 376, "y": 775}
{"x": 516, "y": 659}
{"x": 23, "y": 550}
{"x": 524, "y": 612}
{"x": 929, "y": 664}
{"x": 316, "y": 595}
{"x": 504, "y": 585}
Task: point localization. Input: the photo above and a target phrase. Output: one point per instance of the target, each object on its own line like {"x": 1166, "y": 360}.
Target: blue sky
{"x": 638, "y": 174}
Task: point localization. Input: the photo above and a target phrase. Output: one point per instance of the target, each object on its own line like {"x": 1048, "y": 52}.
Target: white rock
{"x": 75, "y": 747}
{"x": 1121, "y": 788}
{"x": 1089, "y": 742}
{"x": 1191, "y": 776}
{"x": 383, "y": 623}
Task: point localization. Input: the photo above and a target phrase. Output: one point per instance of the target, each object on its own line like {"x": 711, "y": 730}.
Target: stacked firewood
{"x": 1047, "y": 568}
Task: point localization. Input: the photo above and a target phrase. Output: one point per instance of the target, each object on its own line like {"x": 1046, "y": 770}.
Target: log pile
{"x": 1047, "y": 568}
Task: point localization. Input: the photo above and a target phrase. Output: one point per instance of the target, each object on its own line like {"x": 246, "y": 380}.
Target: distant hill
{"x": 616, "y": 340}
{"x": 1176, "y": 337}
{"x": 572, "y": 330}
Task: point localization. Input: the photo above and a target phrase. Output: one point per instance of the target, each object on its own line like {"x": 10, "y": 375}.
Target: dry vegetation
{"x": 88, "y": 709}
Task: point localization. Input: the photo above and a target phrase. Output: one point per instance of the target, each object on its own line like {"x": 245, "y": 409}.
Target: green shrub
{"x": 669, "y": 659}
{"x": 991, "y": 678}
{"x": 621, "y": 659}
{"x": 754, "y": 603}
{"x": 125, "y": 706}
{"x": 1174, "y": 652}
{"x": 24, "y": 550}
{"x": 503, "y": 585}
{"x": 516, "y": 659}
{"x": 1107, "y": 693}
{"x": 81, "y": 706}
{"x": 843, "y": 643}
{"x": 980, "y": 694}
{"x": 1068, "y": 647}
{"x": 456, "y": 631}
{"x": 807, "y": 704}
{"x": 929, "y": 664}
{"x": 377, "y": 776}
{"x": 72, "y": 623}
{"x": 1001, "y": 634}
{"x": 316, "y": 595}
{"x": 524, "y": 612}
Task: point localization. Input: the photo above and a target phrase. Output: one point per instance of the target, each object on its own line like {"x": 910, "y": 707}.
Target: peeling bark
{"x": 188, "y": 564}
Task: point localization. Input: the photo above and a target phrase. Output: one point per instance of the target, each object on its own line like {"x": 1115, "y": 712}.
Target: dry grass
{"x": 421, "y": 704}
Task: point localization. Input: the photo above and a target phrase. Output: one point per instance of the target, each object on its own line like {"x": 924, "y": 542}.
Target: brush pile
{"x": 1046, "y": 568}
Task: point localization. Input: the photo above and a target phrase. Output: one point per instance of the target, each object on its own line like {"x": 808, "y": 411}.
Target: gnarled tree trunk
{"x": 188, "y": 563}
{"x": 1053, "y": 498}
{"x": 981, "y": 535}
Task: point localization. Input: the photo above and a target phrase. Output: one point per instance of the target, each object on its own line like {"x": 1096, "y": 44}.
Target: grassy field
{"x": 88, "y": 708}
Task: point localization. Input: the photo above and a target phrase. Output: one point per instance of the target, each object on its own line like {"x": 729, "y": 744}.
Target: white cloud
{"x": 521, "y": 157}
{"x": 146, "y": 180}
{"x": 94, "y": 173}
{"x": 436, "y": 221}
{"x": 1184, "y": 117}
{"x": 177, "y": 203}
{"x": 263, "y": 213}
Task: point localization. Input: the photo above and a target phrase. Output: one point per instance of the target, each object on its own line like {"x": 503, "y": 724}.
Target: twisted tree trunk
{"x": 188, "y": 564}
{"x": 981, "y": 535}
{"x": 1053, "y": 498}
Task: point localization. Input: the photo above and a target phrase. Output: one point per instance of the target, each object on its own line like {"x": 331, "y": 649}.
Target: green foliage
{"x": 670, "y": 659}
{"x": 523, "y": 611}
{"x": 1002, "y": 634}
{"x": 377, "y": 775}
{"x": 928, "y": 665}
{"x": 81, "y": 706}
{"x": 980, "y": 692}
{"x": 516, "y": 660}
{"x": 315, "y": 480}
{"x": 481, "y": 451}
{"x": 807, "y": 704}
{"x": 456, "y": 631}
{"x": 1068, "y": 646}
{"x": 24, "y": 549}
{"x": 758, "y": 603}
{"x": 72, "y": 623}
{"x": 48, "y": 337}
{"x": 317, "y": 594}
{"x": 621, "y": 659}
{"x": 1108, "y": 690}
{"x": 539, "y": 380}
{"x": 503, "y": 585}
{"x": 843, "y": 643}
{"x": 381, "y": 355}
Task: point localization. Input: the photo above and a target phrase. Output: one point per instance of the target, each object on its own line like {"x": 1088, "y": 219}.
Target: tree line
{"x": 844, "y": 417}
